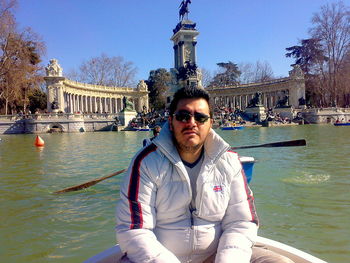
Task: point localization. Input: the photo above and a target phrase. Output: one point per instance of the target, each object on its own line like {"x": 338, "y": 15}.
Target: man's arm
{"x": 136, "y": 216}
{"x": 240, "y": 224}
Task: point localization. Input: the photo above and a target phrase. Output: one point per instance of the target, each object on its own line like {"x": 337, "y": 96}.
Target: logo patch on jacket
{"x": 217, "y": 188}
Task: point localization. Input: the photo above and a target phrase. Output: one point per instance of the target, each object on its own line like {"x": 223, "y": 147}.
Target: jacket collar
{"x": 214, "y": 145}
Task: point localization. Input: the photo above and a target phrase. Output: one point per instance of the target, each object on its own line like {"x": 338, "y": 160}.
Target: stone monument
{"x": 54, "y": 81}
{"x": 185, "y": 71}
{"x": 284, "y": 109}
{"x": 127, "y": 113}
{"x": 256, "y": 110}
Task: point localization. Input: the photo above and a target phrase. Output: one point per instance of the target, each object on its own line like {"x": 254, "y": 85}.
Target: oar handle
{"x": 300, "y": 142}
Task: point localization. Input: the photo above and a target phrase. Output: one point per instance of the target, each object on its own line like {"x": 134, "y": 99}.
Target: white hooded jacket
{"x": 154, "y": 222}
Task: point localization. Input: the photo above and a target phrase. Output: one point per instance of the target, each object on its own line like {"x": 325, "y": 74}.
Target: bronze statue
{"x": 283, "y": 103}
{"x": 184, "y": 9}
{"x": 255, "y": 101}
{"x": 127, "y": 104}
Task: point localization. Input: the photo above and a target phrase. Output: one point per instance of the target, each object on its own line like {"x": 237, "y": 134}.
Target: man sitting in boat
{"x": 184, "y": 197}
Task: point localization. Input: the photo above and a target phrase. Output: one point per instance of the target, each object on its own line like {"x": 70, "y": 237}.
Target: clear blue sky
{"x": 140, "y": 30}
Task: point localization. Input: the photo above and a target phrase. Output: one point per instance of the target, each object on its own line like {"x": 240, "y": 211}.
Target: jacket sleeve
{"x": 136, "y": 216}
{"x": 240, "y": 223}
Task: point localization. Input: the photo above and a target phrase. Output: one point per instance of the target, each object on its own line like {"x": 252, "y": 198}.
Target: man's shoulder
{"x": 148, "y": 149}
{"x": 231, "y": 154}
{"x": 230, "y": 159}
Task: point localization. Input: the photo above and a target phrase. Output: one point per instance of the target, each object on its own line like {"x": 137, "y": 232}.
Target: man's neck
{"x": 190, "y": 156}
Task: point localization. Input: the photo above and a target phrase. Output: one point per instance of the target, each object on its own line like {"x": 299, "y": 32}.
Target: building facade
{"x": 290, "y": 91}
{"x": 67, "y": 96}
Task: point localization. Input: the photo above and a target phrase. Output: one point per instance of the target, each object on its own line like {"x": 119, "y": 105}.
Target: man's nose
{"x": 192, "y": 120}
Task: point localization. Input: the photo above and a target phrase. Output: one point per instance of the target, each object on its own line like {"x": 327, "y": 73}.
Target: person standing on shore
{"x": 184, "y": 197}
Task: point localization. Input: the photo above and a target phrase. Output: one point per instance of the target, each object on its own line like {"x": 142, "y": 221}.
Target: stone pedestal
{"x": 256, "y": 113}
{"x": 285, "y": 112}
{"x": 126, "y": 116}
{"x": 185, "y": 72}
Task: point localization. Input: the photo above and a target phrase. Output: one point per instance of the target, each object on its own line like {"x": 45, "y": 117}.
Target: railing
{"x": 330, "y": 109}
{"x": 48, "y": 116}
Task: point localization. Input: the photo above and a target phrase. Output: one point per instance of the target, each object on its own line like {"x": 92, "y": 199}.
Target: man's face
{"x": 190, "y": 134}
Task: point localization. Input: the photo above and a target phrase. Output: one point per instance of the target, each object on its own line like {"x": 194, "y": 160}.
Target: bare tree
{"x": 259, "y": 72}
{"x": 207, "y": 77}
{"x": 247, "y": 72}
{"x": 108, "y": 71}
{"x": 263, "y": 71}
{"x": 331, "y": 26}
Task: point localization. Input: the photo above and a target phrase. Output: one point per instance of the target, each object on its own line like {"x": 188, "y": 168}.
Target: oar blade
{"x": 87, "y": 184}
{"x": 77, "y": 187}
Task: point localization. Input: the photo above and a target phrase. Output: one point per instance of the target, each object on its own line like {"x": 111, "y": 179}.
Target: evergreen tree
{"x": 157, "y": 86}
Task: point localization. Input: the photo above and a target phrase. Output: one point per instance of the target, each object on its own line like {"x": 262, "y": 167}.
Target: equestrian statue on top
{"x": 184, "y": 9}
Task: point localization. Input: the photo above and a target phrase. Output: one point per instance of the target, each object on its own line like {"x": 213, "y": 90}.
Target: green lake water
{"x": 302, "y": 193}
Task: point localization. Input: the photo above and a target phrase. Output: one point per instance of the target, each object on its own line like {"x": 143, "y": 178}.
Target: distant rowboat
{"x": 141, "y": 129}
{"x": 342, "y": 124}
{"x": 227, "y": 128}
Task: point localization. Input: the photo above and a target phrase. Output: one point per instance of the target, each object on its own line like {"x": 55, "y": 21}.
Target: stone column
{"x": 176, "y": 58}
{"x": 97, "y": 104}
{"x": 73, "y": 102}
{"x": 85, "y": 103}
{"x": 78, "y": 103}
{"x": 101, "y": 106}
{"x": 60, "y": 98}
{"x": 181, "y": 52}
{"x": 115, "y": 105}
{"x": 110, "y": 105}
{"x": 194, "y": 55}
{"x": 69, "y": 103}
{"x": 81, "y": 103}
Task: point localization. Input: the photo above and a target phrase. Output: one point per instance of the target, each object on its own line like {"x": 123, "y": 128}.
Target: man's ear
{"x": 170, "y": 119}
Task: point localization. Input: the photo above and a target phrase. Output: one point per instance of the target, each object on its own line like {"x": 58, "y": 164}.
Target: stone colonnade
{"x": 84, "y": 103}
{"x": 269, "y": 98}
{"x": 292, "y": 87}
{"x": 68, "y": 96}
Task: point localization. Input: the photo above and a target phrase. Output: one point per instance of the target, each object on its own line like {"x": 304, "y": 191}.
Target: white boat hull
{"x": 114, "y": 254}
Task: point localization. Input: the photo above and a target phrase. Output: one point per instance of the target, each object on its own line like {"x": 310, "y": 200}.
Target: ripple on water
{"x": 308, "y": 178}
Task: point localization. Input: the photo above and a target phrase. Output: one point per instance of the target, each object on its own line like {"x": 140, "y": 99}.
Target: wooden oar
{"x": 88, "y": 184}
{"x": 301, "y": 142}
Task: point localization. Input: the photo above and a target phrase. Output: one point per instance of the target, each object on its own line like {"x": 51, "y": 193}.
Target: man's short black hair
{"x": 189, "y": 93}
{"x": 156, "y": 130}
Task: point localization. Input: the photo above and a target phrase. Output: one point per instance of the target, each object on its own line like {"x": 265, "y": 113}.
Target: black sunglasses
{"x": 185, "y": 116}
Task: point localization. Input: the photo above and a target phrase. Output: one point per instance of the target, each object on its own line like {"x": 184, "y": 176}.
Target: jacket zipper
{"x": 199, "y": 208}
